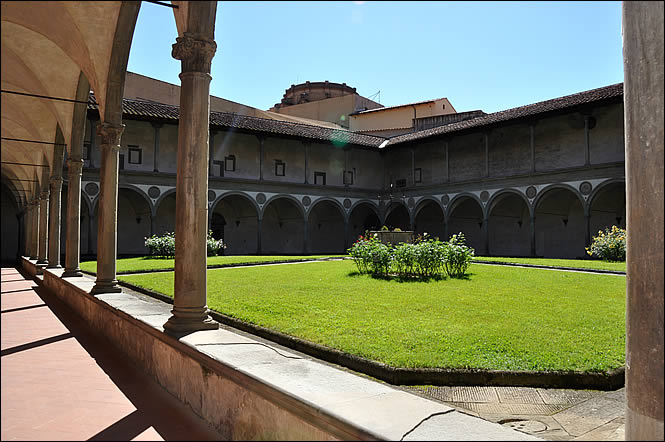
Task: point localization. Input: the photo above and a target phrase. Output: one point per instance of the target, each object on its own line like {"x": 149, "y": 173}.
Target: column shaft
{"x": 42, "y": 257}
{"x": 34, "y": 236}
{"x": 54, "y": 223}
{"x": 73, "y": 219}
{"x": 190, "y": 311}
{"x": 107, "y": 219}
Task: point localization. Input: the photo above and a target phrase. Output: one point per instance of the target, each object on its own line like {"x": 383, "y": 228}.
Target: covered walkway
{"x": 61, "y": 382}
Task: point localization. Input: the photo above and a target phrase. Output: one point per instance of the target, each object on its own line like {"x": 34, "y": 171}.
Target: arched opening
{"x": 165, "y": 215}
{"x": 10, "y": 227}
{"x": 398, "y": 217}
{"x": 559, "y": 225}
{"x": 430, "y": 220}
{"x": 282, "y": 228}
{"x": 608, "y": 208}
{"x": 326, "y": 228}
{"x": 509, "y": 226}
{"x": 133, "y": 223}
{"x": 466, "y": 216}
{"x": 235, "y": 220}
{"x": 363, "y": 218}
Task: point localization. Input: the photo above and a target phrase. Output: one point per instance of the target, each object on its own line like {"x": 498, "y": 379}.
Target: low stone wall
{"x": 394, "y": 238}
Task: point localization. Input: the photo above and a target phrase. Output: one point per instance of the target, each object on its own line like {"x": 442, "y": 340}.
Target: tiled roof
{"x": 149, "y": 110}
{"x": 152, "y": 110}
{"x": 593, "y": 95}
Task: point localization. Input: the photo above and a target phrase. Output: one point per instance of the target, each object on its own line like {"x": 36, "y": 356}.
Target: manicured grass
{"x": 577, "y": 263}
{"x": 148, "y": 263}
{"x": 503, "y": 318}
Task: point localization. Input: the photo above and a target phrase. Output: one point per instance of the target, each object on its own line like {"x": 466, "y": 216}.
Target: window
{"x": 348, "y": 177}
{"x": 418, "y": 175}
{"x": 230, "y": 163}
{"x": 320, "y": 178}
{"x": 280, "y": 168}
{"x": 400, "y": 182}
{"x": 134, "y": 154}
{"x": 218, "y": 166}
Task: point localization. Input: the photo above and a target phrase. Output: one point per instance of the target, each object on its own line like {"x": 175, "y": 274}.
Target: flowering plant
{"x": 609, "y": 244}
{"x": 164, "y": 245}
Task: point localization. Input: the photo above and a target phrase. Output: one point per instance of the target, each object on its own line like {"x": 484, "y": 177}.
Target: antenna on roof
{"x": 378, "y": 93}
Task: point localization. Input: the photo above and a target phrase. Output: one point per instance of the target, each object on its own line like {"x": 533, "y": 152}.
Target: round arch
{"x": 606, "y": 206}
{"x": 234, "y": 217}
{"x": 398, "y": 216}
{"x": 163, "y": 196}
{"x": 466, "y": 215}
{"x": 291, "y": 198}
{"x": 559, "y": 223}
{"x": 326, "y": 219}
{"x": 363, "y": 216}
{"x": 282, "y": 226}
{"x": 429, "y": 217}
{"x": 509, "y": 224}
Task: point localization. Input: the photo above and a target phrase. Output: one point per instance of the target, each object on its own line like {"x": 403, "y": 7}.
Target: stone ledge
{"x": 412, "y": 376}
{"x": 268, "y": 392}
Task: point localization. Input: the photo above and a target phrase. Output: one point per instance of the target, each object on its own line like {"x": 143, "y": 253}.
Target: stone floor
{"x": 552, "y": 414}
{"x": 59, "y": 382}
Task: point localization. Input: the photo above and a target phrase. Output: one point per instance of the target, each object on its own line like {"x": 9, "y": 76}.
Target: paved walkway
{"x": 60, "y": 382}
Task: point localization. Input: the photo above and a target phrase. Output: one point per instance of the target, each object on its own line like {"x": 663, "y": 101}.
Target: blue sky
{"x": 480, "y": 55}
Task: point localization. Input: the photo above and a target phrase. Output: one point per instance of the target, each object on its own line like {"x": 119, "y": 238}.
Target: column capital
{"x": 55, "y": 183}
{"x": 75, "y": 165}
{"x": 110, "y": 134}
{"x": 195, "y": 51}
{"x": 44, "y": 195}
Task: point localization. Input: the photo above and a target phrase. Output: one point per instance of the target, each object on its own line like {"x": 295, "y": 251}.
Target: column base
{"x": 187, "y": 320}
{"x": 71, "y": 273}
{"x": 105, "y": 287}
{"x": 54, "y": 266}
{"x": 42, "y": 261}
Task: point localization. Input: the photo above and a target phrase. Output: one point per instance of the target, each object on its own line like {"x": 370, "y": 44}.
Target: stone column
{"x": 27, "y": 219}
{"x": 73, "y": 240}
{"x": 42, "y": 255}
{"x": 643, "y": 121}
{"x": 107, "y": 209}
{"x": 190, "y": 312}
{"x": 486, "y": 236}
{"x": 532, "y": 223}
{"x": 54, "y": 222}
{"x": 305, "y": 236}
{"x": 259, "y": 221}
{"x": 34, "y": 235}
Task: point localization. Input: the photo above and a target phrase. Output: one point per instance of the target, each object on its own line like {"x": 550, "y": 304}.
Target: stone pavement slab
{"x": 59, "y": 382}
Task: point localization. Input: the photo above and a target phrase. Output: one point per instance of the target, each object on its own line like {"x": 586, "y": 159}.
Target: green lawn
{"x": 577, "y": 263}
{"x": 148, "y": 263}
{"x": 503, "y": 318}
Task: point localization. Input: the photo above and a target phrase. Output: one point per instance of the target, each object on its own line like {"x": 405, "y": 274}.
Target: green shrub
{"x": 430, "y": 256}
{"x": 458, "y": 256}
{"x": 164, "y": 245}
{"x": 609, "y": 245}
{"x": 404, "y": 259}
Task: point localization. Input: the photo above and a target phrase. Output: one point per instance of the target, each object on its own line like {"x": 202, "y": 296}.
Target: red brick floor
{"x": 61, "y": 382}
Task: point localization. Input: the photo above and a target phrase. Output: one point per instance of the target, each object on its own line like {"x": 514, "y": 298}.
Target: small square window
{"x": 134, "y": 154}
{"x": 230, "y": 163}
{"x": 320, "y": 178}
{"x": 348, "y": 177}
{"x": 219, "y": 167}
{"x": 280, "y": 168}
{"x": 418, "y": 175}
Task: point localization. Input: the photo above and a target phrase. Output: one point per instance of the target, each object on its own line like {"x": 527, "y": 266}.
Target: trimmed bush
{"x": 609, "y": 245}
{"x": 425, "y": 258}
{"x": 164, "y": 245}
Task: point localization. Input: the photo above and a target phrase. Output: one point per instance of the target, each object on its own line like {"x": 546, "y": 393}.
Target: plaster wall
{"x": 291, "y": 152}
{"x": 559, "y": 142}
{"x": 245, "y": 148}
{"x": 467, "y": 157}
{"x": 368, "y": 168}
{"x": 168, "y": 148}
{"x": 141, "y": 134}
{"x": 431, "y": 159}
{"x": 510, "y": 150}
{"x": 333, "y": 110}
{"x": 606, "y": 138}
{"x": 328, "y": 159}
{"x": 398, "y": 117}
{"x": 398, "y": 166}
